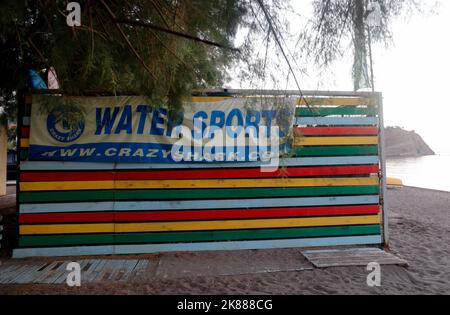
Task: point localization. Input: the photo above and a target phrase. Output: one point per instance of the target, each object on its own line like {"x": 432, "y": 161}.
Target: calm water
{"x": 432, "y": 172}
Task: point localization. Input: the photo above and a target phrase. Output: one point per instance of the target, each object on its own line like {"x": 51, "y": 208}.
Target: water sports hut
{"x": 107, "y": 184}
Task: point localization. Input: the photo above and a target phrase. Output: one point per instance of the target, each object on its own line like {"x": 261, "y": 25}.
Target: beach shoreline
{"x": 419, "y": 227}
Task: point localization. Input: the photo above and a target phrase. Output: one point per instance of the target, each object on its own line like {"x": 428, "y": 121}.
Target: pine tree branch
{"x": 135, "y": 52}
{"x": 175, "y": 33}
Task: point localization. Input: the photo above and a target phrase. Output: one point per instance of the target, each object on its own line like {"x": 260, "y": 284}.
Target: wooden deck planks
{"x": 351, "y": 257}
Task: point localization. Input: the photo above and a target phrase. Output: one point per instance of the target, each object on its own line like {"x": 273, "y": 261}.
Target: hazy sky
{"x": 413, "y": 74}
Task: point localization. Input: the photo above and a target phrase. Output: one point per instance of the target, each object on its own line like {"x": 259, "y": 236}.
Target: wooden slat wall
{"x": 327, "y": 193}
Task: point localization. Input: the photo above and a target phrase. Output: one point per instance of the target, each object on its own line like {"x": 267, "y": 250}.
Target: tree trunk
{"x": 360, "y": 70}
{"x": 3, "y": 157}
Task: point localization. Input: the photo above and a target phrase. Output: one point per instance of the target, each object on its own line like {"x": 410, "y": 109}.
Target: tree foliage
{"x": 335, "y": 21}
{"x": 106, "y": 55}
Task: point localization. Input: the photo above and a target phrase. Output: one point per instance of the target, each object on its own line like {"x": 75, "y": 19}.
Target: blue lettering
{"x": 106, "y": 120}
{"x": 235, "y": 132}
{"x": 125, "y": 122}
{"x": 158, "y": 119}
{"x": 198, "y": 123}
{"x": 143, "y": 110}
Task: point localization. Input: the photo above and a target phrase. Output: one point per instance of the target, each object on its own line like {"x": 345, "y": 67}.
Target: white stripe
{"x": 70, "y": 166}
{"x": 337, "y": 121}
{"x": 196, "y": 204}
{"x": 155, "y": 248}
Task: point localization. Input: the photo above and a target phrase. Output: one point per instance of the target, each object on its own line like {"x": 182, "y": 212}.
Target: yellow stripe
{"x": 24, "y": 143}
{"x": 311, "y": 141}
{"x": 336, "y": 101}
{"x": 206, "y": 99}
{"x": 200, "y": 183}
{"x": 197, "y": 225}
{"x": 66, "y": 228}
{"x": 81, "y": 185}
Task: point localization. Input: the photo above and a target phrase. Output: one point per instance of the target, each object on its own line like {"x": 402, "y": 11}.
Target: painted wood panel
{"x": 191, "y": 194}
{"x": 327, "y": 193}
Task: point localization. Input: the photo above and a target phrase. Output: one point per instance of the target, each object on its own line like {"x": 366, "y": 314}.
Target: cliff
{"x": 403, "y": 143}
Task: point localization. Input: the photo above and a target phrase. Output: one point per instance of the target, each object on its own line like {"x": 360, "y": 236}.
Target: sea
{"x": 431, "y": 172}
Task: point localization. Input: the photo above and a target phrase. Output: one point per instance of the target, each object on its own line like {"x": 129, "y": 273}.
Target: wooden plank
{"x": 24, "y": 143}
{"x": 292, "y": 243}
{"x": 210, "y": 99}
{"x": 95, "y": 270}
{"x": 198, "y": 174}
{"x": 59, "y": 272}
{"x": 317, "y": 111}
{"x": 243, "y": 235}
{"x": 190, "y": 194}
{"x": 239, "y": 224}
{"x": 138, "y": 216}
{"x": 13, "y": 274}
{"x": 65, "y": 176}
{"x": 335, "y": 101}
{"x": 336, "y": 131}
{"x": 129, "y": 266}
{"x": 68, "y": 166}
{"x": 194, "y": 184}
{"x": 59, "y": 196}
{"x": 336, "y": 121}
{"x": 334, "y": 141}
{"x": 66, "y": 207}
{"x": 43, "y": 229}
{"x": 106, "y": 270}
{"x": 66, "y": 217}
{"x": 30, "y": 274}
{"x": 63, "y": 251}
{"x": 117, "y": 267}
{"x": 66, "y": 228}
{"x": 200, "y": 204}
{"x": 66, "y": 240}
{"x": 234, "y": 245}
{"x": 337, "y": 151}
{"x": 25, "y": 132}
{"x": 42, "y": 274}
{"x": 351, "y": 257}
{"x": 202, "y": 236}
{"x": 141, "y": 271}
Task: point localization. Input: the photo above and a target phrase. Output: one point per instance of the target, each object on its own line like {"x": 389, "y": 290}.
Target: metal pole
{"x": 383, "y": 196}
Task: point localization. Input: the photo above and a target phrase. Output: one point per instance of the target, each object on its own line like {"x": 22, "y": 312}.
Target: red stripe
{"x": 146, "y": 216}
{"x": 25, "y": 133}
{"x": 65, "y": 176}
{"x": 66, "y": 217}
{"x": 336, "y": 131}
{"x": 199, "y": 174}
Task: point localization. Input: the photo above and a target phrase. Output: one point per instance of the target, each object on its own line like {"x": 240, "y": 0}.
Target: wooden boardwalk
{"x": 351, "y": 257}
{"x": 187, "y": 264}
{"x": 164, "y": 266}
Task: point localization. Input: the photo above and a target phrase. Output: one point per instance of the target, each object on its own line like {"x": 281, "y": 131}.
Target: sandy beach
{"x": 419, "y": 231}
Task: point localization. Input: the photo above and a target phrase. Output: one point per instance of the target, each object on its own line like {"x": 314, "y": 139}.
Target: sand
{"x": 420, "y": 233}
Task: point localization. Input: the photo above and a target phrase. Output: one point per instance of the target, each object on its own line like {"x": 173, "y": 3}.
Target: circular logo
{"x": 65, "y": 125}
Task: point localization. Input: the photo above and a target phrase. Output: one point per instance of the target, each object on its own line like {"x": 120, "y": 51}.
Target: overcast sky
{"x": 413, "y": 74}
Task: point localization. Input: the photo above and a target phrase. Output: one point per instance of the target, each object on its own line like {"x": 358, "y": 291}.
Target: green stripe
{"x": 23, "y": 154}
{"x": 337, "y": 151}
{"x": 342, "y": 110}
{"x": 60, "y": 196}
{"x": 200, "y": 236}
{"x": 191, "y": 194}
{"x": 52, "y": 240}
